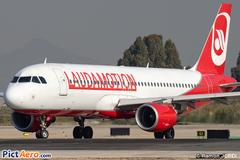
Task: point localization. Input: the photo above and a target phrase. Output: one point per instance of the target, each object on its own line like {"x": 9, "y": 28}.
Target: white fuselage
{"x": 64, "y": 91}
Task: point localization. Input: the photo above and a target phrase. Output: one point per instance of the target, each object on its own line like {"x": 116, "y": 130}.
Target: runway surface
{"x": 139, "y": 144}
{"x": 123, "y": 148}
{"x": 123, "y": 144}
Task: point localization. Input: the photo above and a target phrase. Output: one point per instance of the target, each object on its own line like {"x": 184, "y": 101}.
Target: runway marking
{"x": 147, "y": 135}
{"x": 31, "y": 136}
{"x": 58, "y": 135}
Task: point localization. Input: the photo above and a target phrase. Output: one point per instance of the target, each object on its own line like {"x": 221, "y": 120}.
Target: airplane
{"x": 155, "y": 97}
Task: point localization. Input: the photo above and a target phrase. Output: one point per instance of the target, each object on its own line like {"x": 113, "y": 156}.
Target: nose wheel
{"x": 42, "y": 133}
{"x": 81, "y": 131}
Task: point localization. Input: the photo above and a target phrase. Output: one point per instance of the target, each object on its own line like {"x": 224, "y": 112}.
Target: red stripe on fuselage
{"x": 83, "y": 114}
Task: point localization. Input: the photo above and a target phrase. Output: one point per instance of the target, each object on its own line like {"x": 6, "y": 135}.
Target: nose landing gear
{"x": 81, "y": 131}
{"x": 43, "y": 133}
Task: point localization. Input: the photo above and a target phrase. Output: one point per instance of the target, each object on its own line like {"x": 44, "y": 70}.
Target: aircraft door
{"x": 62, "y": 82}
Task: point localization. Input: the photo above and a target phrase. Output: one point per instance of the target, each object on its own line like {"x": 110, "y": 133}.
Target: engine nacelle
{"x": 26, "y": 122}
{"x": 155, "y": 117}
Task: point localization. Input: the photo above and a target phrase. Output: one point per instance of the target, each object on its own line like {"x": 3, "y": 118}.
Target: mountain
{"x": 35, "y": 52}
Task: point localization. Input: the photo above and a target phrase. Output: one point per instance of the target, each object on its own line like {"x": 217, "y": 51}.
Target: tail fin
{"x": 213, "y": 56}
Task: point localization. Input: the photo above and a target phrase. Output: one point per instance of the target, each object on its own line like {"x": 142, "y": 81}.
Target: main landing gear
{"x": 81, "y": 131}
{"x": 42, "y": 133}
{"x": 169, "y": 134}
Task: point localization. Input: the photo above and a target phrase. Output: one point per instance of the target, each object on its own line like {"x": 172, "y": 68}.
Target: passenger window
{"x": 164, "y": 85}
{"x": 176, "y": 85}
{"x": 167, "y": 84}
{"x": 189, "y": 86}
{"x": 135, "y": 83}
{"x": 43, "y": 80}
{"x": 179, "y": 85}
{"x": 138, "y": 83}
{"x": 24, "y": 79}
{"x": 170, "y": 84}
{"x": 182, "y": 85}
{"x": 151, "y": 84}
{"x": 35, "y": 79}
{"x": 14, "y": 79}
{"x": 70, "y": 81}
{"x": 200, "y": 86}
{"x": 142, "y": 83}
{"x": 154, "y": 84}
{"x": 158, "y": 84}
{"x": 161, "y": 84}
{"x": 192, "y": 85}
{"x": 173, "y": 85}
{"x": 186, "y": 85}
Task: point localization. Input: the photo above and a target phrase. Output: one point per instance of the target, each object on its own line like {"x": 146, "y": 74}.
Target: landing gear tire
{"x": 81, "y": 131}
{"x": 42, "y": 134}
{"x": 87, "y": 132}
{"x": 38, "y": 134}
{"x": 158, "y": 135}
{"x": 77, "y": 132}
{"x": 169, "y": 134}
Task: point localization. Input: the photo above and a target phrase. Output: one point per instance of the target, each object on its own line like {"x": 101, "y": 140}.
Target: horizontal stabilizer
{"x": 230, "y": 85}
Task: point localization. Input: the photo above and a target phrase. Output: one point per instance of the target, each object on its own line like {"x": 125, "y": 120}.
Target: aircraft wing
{"x": 133, "y": 104}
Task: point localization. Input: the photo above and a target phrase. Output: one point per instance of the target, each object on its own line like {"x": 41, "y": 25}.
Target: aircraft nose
{"x": 13, "y": 97}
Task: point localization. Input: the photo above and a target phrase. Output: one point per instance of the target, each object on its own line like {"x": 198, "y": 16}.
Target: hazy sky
{"x": 103, "y": 29}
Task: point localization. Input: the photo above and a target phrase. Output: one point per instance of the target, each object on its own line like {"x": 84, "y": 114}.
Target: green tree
{"x": 155, "y": 49}
{"x": 172, "y": 60}
{"x": 150, "y": 50}
{"x": 235, "y": 72}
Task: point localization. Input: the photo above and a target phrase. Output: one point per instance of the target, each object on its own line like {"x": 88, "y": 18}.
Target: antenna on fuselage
{"x": 147, "y": 65}
{"x": 45, "y": 61}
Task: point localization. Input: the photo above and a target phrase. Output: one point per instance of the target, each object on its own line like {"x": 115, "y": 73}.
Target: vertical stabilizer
{"x": 213, "y": 56}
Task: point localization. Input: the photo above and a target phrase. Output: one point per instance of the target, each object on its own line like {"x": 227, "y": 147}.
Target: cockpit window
{"x": 24, "y": 79}
{"x": 14, "y": 79}
{"x": 42, "y": 80}
{"x": 35, "y": 79}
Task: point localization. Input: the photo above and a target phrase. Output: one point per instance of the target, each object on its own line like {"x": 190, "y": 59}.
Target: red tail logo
{"x": 220, "y": 33}
{"x": 213, "y": 56}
